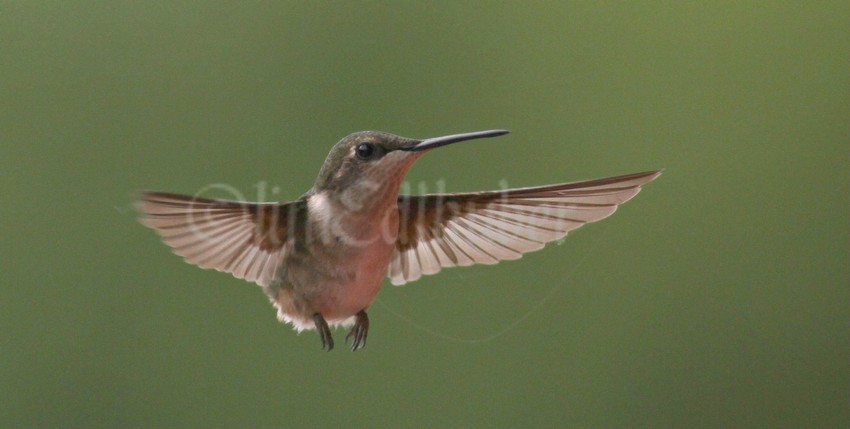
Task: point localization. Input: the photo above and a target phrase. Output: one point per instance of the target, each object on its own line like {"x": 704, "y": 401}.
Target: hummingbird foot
{"x": 359, "y": 331}
{"x": 324, "y": 332}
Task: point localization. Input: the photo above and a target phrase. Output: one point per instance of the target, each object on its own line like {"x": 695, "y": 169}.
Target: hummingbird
{"x": 322, "y": 258}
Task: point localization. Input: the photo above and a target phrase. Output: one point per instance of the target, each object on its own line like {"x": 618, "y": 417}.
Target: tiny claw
{"x": 359, "y": 331}
{"x": 324, "y": 332}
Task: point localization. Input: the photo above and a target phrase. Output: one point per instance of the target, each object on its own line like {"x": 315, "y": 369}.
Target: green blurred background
{"x": 717, "y": 298}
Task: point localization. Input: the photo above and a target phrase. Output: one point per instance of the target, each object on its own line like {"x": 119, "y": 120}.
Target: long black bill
{"x": 454, "y": 138}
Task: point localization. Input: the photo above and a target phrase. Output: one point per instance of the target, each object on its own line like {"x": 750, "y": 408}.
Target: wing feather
{"x": 446, "y": 230}
{"x": 241, "y": 238}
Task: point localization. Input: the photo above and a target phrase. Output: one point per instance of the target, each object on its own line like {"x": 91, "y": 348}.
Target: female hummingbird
{"x": 321, "y": 258}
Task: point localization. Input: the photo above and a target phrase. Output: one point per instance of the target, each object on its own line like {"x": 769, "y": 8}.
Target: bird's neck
{"x": 354, "y": 217}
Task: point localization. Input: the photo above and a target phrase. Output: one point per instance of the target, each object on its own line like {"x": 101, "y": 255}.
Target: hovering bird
{"x": 321, "y": 258}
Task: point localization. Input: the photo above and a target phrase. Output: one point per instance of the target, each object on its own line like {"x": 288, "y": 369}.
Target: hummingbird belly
{"x": 343, "y": 270}
{"x": 358, "y": 293}
{"x": 337, "y": 290}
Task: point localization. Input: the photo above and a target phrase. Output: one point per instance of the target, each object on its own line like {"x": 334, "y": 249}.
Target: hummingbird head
{"x": 370, "y": 161}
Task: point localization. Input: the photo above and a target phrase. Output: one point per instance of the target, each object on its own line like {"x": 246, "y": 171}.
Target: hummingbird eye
{"x": 365, "y": 151}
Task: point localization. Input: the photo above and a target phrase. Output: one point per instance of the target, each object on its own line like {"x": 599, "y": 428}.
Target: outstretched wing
{"x": 447, "y": 230}
{"x": 241, "y": 238}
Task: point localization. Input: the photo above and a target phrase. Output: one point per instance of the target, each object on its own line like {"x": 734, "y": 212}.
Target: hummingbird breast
{"x": 338, "y": 268}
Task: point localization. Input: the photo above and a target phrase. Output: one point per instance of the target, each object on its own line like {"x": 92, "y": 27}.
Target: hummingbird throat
{"x": 354, "y": 219}
{"x": 364, "y": 210}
